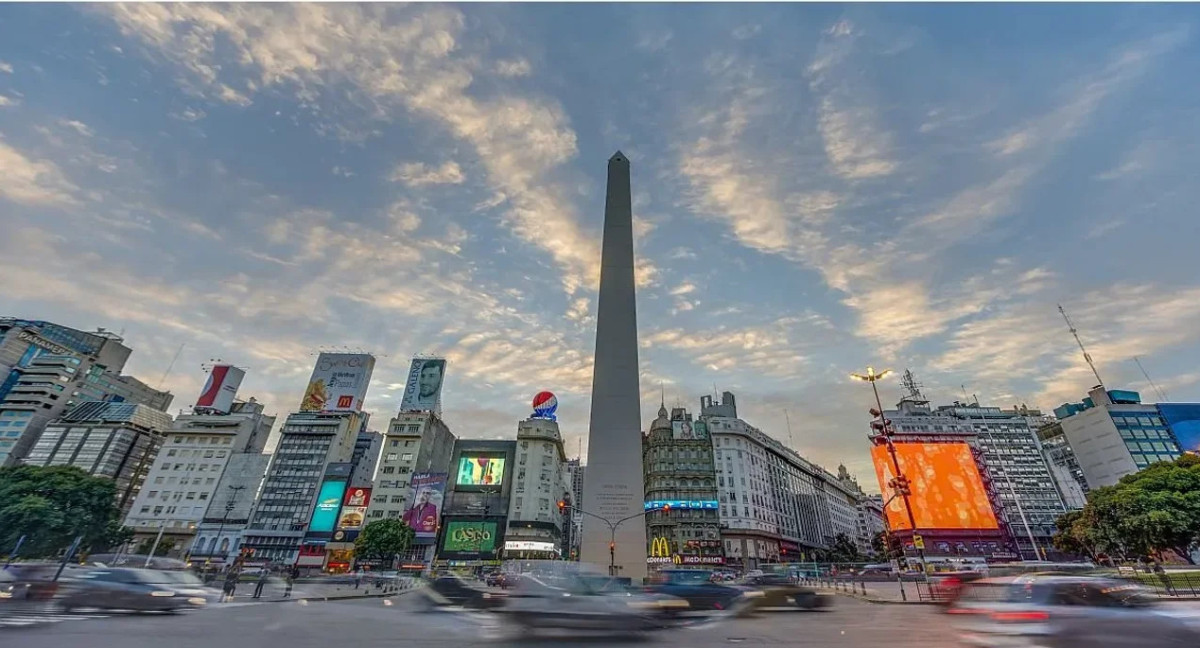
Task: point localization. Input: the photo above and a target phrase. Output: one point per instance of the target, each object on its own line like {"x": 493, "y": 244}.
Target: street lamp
{"x": 612, "y": 529}
{"x": 229, "y": 506}
{"x": 899, "y": 483}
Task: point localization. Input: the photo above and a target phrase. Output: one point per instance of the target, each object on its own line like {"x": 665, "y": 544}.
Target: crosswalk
{"x": 26, "y": 618}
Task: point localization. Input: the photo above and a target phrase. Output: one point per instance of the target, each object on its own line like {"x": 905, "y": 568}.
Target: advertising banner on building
{"x": 480, "y": 471}
{"x": 683, "y": 430}
{"x": 428, "y": 491}
{"x": 423, "y": 391}
{"x": 329, "y": 501}
{"x": 354, "y": 509}
{"x": 339, "y": 383}
{"x": 946, "y": 486}
{"x": 470, "y": 536}
{"x": 220, "y": 388}
{"x": 1184, "y": 421}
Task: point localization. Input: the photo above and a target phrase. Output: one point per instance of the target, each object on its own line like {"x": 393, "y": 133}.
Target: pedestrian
{"x": 262, "y": 581}
{"x": 230, "y": 589}
{"x": 357, "y": 578}
{"x": 287, "y": 590}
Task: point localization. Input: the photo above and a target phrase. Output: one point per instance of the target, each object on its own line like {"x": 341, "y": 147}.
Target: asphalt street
{"x": 394, "y": 623}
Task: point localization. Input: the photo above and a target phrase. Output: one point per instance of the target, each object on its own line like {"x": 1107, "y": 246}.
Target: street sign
{"x": 918, "y": 541}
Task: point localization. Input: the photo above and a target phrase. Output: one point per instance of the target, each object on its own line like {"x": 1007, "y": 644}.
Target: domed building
{"x": 680, "y": 479}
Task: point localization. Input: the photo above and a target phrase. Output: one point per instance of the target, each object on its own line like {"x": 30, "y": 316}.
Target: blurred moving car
{"x": 451, "y": 591}
{"x": 945, "y": 586}
{"x": 1069, "y": 612}
{"x": 12, "y": 588}
{"x": 696, "y": 586}
{"x": 573, "y": 596}
{"x": 187, "y": 584}
{"x": 496, "y": 579}
{"x": 142, "y": 590}
{"x": 779, "y": 591}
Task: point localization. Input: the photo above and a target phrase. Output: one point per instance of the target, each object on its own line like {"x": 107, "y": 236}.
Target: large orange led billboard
{"x": 947, "y": 491}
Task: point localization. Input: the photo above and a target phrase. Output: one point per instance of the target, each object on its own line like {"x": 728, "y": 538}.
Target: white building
{"x": 1064, "y": 467}
{"x": 775, "y": 505}
{"x": 219, "y": 534}
{"x": 870, "y": 522}
{"x": 535, "y": 525}
{"x": 181, "y": 483}
{"x": 1114, "y": 434}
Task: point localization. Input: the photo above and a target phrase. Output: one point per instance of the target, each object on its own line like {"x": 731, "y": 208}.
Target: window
{"x": 407, "y": 456}
{"x": 391, "y": 456}
{"x": 153, "y": 494}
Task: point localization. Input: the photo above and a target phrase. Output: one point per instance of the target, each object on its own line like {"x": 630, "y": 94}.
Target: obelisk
{"x": 612, "y": 487}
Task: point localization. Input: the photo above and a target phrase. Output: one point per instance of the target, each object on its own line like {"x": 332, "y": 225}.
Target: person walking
{"x": 230, "y": 589}
{"x": 291, "y": 577}
{"x": 262, "y": 581}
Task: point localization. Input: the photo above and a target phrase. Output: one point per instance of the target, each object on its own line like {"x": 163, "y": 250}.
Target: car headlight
{"x": 752, "y": 594}
{"x": 162, "y": 593}
{"x": 196, "y": 600}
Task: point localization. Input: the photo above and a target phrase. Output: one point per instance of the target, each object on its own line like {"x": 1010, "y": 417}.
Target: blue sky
{"x": 817, "y": 188}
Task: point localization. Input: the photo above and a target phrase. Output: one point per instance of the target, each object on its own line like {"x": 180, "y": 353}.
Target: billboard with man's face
{"x": 422, "y": 516}
{"x": 339, "y": 383}
{"x": 423, "y": 391}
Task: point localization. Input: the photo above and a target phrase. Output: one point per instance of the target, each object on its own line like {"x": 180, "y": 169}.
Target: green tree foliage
{"x": 383, "y": 539}
{"x": 1144, "y": 514}
{"x": 53, "y": 505}
{"x": 843, "y": 550}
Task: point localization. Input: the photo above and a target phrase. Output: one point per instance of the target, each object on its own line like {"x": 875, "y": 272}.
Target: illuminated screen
{"x": 328, "y": 502}
{"x": 475, "y": 537}
{"x": 947, "y": 491}
{"x": 480, "y": 471}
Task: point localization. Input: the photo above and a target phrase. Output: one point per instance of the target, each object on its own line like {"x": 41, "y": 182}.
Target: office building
{"x": 684, "y": 523}
{"x": 535, "y": 527}
{"x": 183, "y": 480}
{"x": 1114, "y": 434}
{"x": 577, "y": 471}
{"x": 1064, "y": 466}
{"x": 613, "y": 489}
{"x": 476, "y": 504}
{"x": 368, "y": 446}
{"x": 219, "y": 534}
{"x": 47, "y": 369}
{"x": 870, "y": 523}
{"x": 774, "y": 504}
{"x": 115, "y": 440}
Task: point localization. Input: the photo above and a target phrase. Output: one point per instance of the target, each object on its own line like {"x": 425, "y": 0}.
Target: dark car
{"x": 142, "y": 590}
{"x": 452, "y": 591}
{"x": 12, "y": 588}
{"x": 497, "y": 579}
{"x": 696, "y": 586}
{"x": 779, "y": 591}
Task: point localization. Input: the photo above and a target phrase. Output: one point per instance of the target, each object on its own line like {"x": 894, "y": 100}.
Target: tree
{"x": 146, "y": 546}
{"x": 1144, "y": 514}
{"x": 383, "y": 539}
{"x": 50, "y": 506}
{"x": 879, "y": 544}
{"x": 843, "y": 550}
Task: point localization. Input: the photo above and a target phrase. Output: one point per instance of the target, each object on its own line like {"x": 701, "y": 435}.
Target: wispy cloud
{"x": 32, "y": 182}
{"x": 418, "y": 174}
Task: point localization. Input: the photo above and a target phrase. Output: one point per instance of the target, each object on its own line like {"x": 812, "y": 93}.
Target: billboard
{"x": 689, "y": 430}
{"x": 220, "y": 388}
{"x": 947, "y": 489}
{"x": 329, "y": 500}
{"x": 339, "y": 383}
{"x": 544, "y": 405}
{"x": 480, "y": 471}
{"x": 470, "y": 536}
{"x": 423, "y": 391}
{"x": 422, "y": 516}
{"x": 354, "y": 509}
{"x": 1184, "y": 421}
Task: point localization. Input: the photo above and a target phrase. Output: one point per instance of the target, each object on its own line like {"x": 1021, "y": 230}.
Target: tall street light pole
{"x": 899, "y": 483}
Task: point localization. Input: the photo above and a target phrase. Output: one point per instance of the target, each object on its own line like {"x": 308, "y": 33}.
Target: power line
{"x": 1161, "y": 395}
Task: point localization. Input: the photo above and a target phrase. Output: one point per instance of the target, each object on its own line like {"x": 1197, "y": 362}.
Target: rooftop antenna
{"x": 170, "y": 367}
{"x": 788, "y": 419}
{"x": 966, "y": 398}
{"x": 1158, "y": 391}
{"x": 909, "y": 382}
{"x": 1086, "y": 356}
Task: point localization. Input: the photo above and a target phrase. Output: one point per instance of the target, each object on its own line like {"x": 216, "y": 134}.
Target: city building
{"x": 613, "y": 489}
{"x": 684, "y": 523}
{"x": 309, "y": 442}
{"x": 107, "y": 439}
{"x": 368, "y": 446}
{"x": 1064, "y": 466}
{"x": 775, "y": 506}
{"x": 577, "y": 470}
{"x": 870, "y": 523}
{"x": 219, "y": 534}
{"x": 46, "y": 369}
{"x": 417, "y": 446}
{"x": 536, "y": 527}
{"x": 476, "y": 505}
{"x": 1114, "y": 434}
{"x": 180, "y": 486}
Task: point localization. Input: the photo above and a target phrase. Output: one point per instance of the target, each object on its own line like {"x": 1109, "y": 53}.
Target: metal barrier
{"x": 1174, "y": 584}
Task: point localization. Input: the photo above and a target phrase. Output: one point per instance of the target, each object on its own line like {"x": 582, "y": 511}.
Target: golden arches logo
{"x": 660, "y": 548}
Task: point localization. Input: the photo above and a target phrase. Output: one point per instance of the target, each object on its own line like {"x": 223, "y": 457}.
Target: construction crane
{"x": 1086, "y": 355}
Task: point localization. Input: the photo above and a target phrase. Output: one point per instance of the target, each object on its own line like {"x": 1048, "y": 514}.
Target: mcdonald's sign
{"x": 660, "y": 547}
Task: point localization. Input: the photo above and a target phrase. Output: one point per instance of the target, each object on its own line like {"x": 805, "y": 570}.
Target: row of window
{"x": 192, "y": 439}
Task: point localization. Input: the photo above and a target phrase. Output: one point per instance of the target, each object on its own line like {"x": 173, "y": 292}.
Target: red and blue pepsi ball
{"x": 544, "y": 405}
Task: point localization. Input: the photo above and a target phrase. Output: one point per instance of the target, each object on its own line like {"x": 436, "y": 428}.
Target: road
{"x": 365, "y": 623}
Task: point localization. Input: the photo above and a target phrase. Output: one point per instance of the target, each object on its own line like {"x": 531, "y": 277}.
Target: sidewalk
{"x": 275, "y": 588}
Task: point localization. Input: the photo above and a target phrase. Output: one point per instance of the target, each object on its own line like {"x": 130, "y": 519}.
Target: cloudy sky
{"x": 817, "y": 189}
